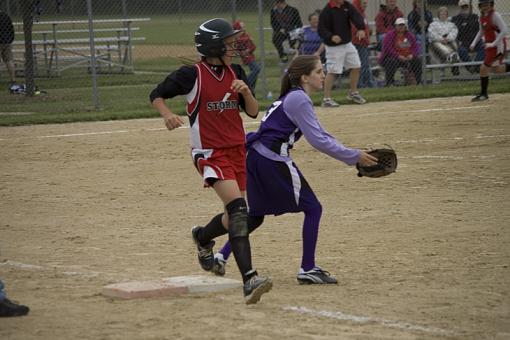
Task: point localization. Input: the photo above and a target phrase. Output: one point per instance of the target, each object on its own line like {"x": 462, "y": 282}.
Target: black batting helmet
{"x": 209, "y": 37}
{"x": 482, "y": 2}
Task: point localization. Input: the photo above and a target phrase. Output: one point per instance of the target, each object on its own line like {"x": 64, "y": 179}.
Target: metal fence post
{"x": 423, "y": 25}
{"x": 234, "y": 10}
{"x": 262, "y": 50}
{"x": 92, "y": 56}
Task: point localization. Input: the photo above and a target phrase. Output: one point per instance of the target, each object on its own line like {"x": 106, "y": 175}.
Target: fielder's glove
{"x": 386, "y": 164}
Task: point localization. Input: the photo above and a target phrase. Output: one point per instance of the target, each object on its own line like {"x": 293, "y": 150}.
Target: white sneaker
{"x": 328, "y": 102}
{"x": 219, "y": 264}
{"x": 356, "y": 97}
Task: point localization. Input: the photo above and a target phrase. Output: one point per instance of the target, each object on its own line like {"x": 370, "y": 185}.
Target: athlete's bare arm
{"x": 251, "y": 104}
{"x": 172, "y": 121}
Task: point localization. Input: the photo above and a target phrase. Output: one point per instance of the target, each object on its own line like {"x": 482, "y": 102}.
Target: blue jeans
{"x": 365, "y": 76}
{"x": 254, "y": 73}
{"x": 2, "y": 293}
{"x": 464, "y": 52}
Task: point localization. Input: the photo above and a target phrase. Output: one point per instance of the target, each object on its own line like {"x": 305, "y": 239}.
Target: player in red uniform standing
{"x": 215, "y": 89}
{"x": 493, "y": 29}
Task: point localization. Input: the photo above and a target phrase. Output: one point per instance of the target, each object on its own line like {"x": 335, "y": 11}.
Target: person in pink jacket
{"x": 385, "y": 18}
{"x": 400, "y": 50}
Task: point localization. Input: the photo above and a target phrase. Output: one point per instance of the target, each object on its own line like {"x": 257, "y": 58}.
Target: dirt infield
{"x": 421, "y": 254}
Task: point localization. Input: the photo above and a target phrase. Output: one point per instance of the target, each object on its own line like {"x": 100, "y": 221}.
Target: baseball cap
{"x": 400, "y": 21}
{"x": 463, "y": 3}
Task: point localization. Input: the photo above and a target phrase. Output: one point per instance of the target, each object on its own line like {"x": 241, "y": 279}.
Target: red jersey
{"x": 493, "y": 56}
{"x": 213, "y": 110}
{"x": 490, "y": 31}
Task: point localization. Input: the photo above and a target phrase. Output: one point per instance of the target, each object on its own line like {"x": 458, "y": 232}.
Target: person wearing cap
{"x": 385, "y": 18}
{"x": 400, "y": 50}
{"x": 467, "y": 23}
{"x": 494, "y": 31}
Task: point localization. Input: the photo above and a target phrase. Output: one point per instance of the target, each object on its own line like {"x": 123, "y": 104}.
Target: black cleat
{"x": 315, "y": 276}
{"x": 9, "y": 308}
{"x": 480, "y": 98}
{"x": 255, "y": 287}
{"x": 205, "y": 253}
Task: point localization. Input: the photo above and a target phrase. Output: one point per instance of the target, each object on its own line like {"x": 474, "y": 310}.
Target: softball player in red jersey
{"x": 215, "y": 90}
{"x": 494, "y": 30}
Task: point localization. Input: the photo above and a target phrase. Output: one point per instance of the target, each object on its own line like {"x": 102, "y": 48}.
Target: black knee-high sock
{"x": 484, "y": 82}
{"x": 238, "y": 237}
{"x": 212, "y": 230}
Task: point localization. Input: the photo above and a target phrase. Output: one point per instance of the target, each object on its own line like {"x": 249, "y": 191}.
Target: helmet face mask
{"x": 210, "y": 36}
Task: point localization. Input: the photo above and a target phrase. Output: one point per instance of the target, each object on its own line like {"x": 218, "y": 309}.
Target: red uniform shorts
{"x": 221, "y": 164}
{"x": 493, "y": 57}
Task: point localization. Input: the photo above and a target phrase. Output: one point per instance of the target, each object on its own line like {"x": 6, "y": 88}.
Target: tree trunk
{"x": 28, "y": 21}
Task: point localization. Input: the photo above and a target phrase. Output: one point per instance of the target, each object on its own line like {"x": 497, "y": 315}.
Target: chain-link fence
{"x": 133, "y": 44}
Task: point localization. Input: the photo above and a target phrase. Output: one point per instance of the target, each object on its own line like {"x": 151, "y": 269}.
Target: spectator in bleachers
{"x": 443, "y": 39}
{"x": 365, "y": 77}
{"x": 6, "y": 39}
{"x": 467, "y": 23}
{"x": 401, "y": 50}
{"x": 311, "y": 43}
{"x": 284, "y": 18}
{"x": 385, "y": 19}
{"x": 414, "y": 20}
{"x": 245, "y": 48}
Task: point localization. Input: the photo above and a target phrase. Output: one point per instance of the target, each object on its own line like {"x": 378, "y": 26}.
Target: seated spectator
{"x": 468, "y": 25}
{"x": 311, "y": 43}
{"x": 284, "y": 18}
{"x": 400, "y": 50}
{"x": 385, "y": 18}
{"x": 414, "y": 21}
{"x": 443, "y": 39}
{"x": 245, "y": 48}
{"x": 366, "y": 78}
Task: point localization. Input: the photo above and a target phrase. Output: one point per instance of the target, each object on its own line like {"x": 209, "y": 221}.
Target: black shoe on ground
{"x": 315, "y": 276}
{"x": 480, "y": 98}
{"x": 255, "y": 287}
{"x": 205, "y": 253}
{"x": 9, "y": 308}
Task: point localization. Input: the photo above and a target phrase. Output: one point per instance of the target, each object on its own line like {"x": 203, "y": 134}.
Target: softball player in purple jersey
{"x": 275, "y": 185}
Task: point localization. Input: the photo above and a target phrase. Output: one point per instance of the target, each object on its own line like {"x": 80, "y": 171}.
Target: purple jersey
{"x": 290, "y": 117}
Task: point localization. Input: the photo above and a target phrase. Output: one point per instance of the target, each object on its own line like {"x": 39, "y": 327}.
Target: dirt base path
{"x": 421, "y": 254}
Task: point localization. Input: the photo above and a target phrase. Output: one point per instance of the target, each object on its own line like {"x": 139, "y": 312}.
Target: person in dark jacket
{"x": 284, "y": 18}
{"x": 335, "y": 30}
{"x": 467, "y": 23}
{"x": 6, "y": 39}
{"x": 414, "y": 18}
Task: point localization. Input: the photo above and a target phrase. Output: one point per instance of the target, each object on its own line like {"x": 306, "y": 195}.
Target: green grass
{"x": 126, "y": 96}
{"x": 127, "y": 102}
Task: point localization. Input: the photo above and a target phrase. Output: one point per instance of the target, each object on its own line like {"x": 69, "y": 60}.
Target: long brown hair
{"x": 301, "y": 65}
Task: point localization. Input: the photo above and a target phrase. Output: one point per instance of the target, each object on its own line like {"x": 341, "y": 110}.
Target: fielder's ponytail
{"x": 301, "y": 65}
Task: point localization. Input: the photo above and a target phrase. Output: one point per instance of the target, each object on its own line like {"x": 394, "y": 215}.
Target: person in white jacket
{"x": 443, "y": 37}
